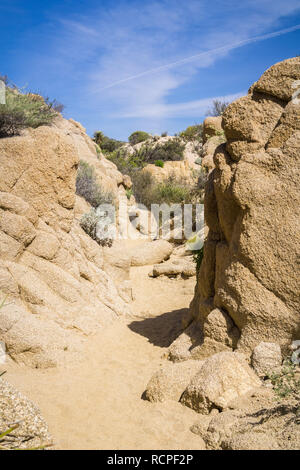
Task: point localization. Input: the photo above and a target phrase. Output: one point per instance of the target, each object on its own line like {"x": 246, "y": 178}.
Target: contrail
{"x": 207, "y": 53}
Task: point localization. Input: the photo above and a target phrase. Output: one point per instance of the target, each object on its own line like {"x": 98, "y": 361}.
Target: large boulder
{"x": 255, "y": 421}
{"x": 32, "y": 430}
{"x": 250, "y": 269}
{"x": 106, "y": 171}
{"x": 150, "y": 252}
{"x": 266, "y": 358}
{"x": 223, "y": 377}
{"x": 53, "y": 272}
{"x": 212, "y": 126}
{"x": 184, "y": 268}
{"x": 208, "y": 151}
{"x": 170, "y": 381}
{"x": 171, "y": 169}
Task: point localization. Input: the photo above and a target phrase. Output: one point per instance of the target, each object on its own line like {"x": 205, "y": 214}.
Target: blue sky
{"x": 119, "y": 66}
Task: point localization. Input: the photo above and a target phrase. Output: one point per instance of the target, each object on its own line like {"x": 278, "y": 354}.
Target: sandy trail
{"x": 96, "y": 403}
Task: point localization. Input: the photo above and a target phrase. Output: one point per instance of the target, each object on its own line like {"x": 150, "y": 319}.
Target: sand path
{"x": 96, "y": 403}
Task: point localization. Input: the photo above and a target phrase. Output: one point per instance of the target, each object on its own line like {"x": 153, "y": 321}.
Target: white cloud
{"x": 132, "y": 58}
{"x": 192, "y": 109}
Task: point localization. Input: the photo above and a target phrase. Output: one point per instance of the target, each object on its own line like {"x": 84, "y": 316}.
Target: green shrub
{"x": 88, "y": 187}
{"x": 198, "y": 257}
{"x": 171, "y": 191}
{"x": 25, "y": 110}
{"x": 129, "y": 193}
{"x": 107, "y": 144}
{"x": 128, "y": 163}
{"x": 137, "y": 137}
{"x": 172, "y": 150}
{"x": 192, "y": 133}
{"x": 125, "y": 162}
{"x": 164, "y": 134}
{"x": 286, "y": 382}
{"x": 159, "y": 163}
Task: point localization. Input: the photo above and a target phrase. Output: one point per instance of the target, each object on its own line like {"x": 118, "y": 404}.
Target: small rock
{"x": 265, "y": 358}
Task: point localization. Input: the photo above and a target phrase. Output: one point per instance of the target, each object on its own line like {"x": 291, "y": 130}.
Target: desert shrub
{"x": 164, "y": 134}
{"x": 218, "y": 108}
{"x": 138, "y": 136}
{"x": 192, "y": 133}
{"x": 171, "y": 150}
{"x": 159, "y": 163}
{"x": 88, "y": 187}
{"x": 170, "y": 191}
{"x": 202, "y": 177}
{"x": 91, "y": 223}
{"x": 128, "y": 163}
{"x": 106, "y": 144}
{"x": 286, "y": 382}
{"x": 142, "y": 187}
{"x": 125, "y": 162}
{"x": 25, "y": 110}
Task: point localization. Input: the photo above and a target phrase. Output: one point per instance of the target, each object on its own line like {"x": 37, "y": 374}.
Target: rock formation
{"x": 32, "y": 431}
{"x": 249, "y": 277}
{"x": 213, "y": 136}
{"x": 52, "y": 272}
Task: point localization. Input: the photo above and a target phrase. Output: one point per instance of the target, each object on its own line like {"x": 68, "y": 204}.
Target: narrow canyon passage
{"x": 96, "y": 402}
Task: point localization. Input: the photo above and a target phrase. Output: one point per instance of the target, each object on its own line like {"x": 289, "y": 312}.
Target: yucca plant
{"x": 7, "y": 433}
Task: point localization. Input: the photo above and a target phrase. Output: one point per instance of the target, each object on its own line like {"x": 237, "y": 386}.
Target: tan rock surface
{"x": 250, "y": 269}
{"x": 152, "y": 252}
{"x": 52, "y": 271}
{"x": 32, "y": 431}
{"x": 223, "y": 377}
{"x": 266, "y": 358}
{"x": 169, "y": 382}
{"x": 212, "y": 126}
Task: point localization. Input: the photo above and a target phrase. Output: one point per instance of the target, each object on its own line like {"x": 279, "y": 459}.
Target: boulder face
{"x": 250, "y": 270}
{"x": 52, "y": 272}
{"x": 32, "y": 430}
{"x": 223, "y": 377}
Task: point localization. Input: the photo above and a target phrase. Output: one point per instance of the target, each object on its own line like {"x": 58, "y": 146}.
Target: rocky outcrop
{"x": 152, "y": 252}
{"x": 223, "y": 377}
{"x": 208, "y": 151}
{"x": 52, "y": 272}
{"x": 212, "y": 126}
{"x": 110, "y": 179}
{"x": 250, "y": 271}
{"x": 181, "y": 264}
{"x": 252, "y": 422}
{"x": 31, "y": 431}
{"x": 169, "y": 382}
{"x": 177, "y": 169}
{"x": 266, "y": 359}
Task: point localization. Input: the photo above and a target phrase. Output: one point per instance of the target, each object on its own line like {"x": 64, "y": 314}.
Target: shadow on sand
{"x": 162, "y": 330}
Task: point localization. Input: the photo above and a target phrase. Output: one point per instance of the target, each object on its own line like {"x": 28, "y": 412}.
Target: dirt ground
{"x": 96, "y": 402}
